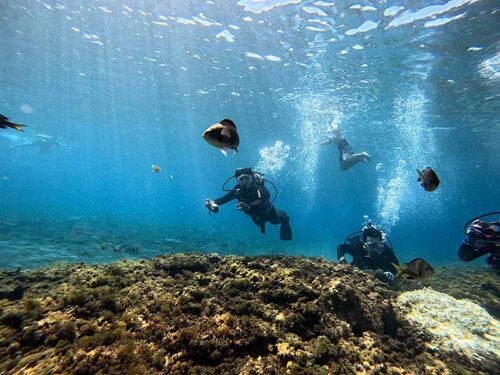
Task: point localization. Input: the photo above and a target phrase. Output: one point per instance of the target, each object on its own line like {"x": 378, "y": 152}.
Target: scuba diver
{"x": 369, "y": 250}
{"x": 254, "y": 200}
{"x": 482, "y": 238}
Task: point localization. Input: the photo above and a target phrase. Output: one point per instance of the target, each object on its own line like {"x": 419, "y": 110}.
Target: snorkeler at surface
{"x": 347, "y": 157}
{"x": 482, "y": 238}
{"x": 254, "y": 199}
{"x": 369, "y": 250}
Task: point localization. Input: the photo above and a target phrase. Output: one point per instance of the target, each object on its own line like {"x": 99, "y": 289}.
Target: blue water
{"x": 122, "y": 85}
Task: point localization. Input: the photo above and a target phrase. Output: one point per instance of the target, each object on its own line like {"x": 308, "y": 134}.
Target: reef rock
{"x": 197, "y": 314}
{"x": 457, "y": 325}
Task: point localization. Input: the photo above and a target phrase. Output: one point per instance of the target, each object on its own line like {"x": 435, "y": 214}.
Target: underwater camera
{"x": 481, "y": 237}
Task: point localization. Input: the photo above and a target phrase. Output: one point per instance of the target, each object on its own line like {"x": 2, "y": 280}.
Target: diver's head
{"x": 373, "y": 240}
{"x": 244, "y": 177}
{"x": 370, "y": 230}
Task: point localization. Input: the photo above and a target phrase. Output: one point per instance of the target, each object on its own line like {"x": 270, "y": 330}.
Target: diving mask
{"x": 373, "y": 247}
{"x": 245, "y": 180}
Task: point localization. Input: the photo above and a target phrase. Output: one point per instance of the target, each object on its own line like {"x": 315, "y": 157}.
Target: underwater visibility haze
{"x": 116, "y": 94}
{"x": 124, "y": 85}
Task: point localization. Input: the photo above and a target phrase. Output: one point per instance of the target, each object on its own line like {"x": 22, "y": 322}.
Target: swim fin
{"x": 286, "y": 231}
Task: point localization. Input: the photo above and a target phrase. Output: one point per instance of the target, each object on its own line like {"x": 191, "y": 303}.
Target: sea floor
{"x": 210, "y": 314}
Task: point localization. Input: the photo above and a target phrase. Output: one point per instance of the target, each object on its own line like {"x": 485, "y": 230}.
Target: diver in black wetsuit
{"x": 369, "y": 251}
{"x": 253, "y": 199}
{"x": 482, "y": 238}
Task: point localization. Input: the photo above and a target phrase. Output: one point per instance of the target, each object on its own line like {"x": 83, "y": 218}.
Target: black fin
{"x": 286, "y": 231}
{"x": 227, "y": 122}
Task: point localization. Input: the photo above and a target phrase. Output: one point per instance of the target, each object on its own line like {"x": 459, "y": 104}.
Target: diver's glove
{"x": 343, "y": 261}
{"x": 389, "y": 276}
{"x": 242, "y": 206}
{"x": 212, "y": 206}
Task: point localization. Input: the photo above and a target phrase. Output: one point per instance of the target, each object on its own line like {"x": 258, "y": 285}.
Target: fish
{"x": 418, "y": 268}
{"x": 5, "y": 123}
{"x": 428, "y": 179}
{"x": 155, "y": 168}
{"x": 223, "y": 135}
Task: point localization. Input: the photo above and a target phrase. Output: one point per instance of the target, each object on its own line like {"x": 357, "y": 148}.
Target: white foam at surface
{"x": 272, "y": 58}
{"x": 314, "y": 10}
{"x": 392, "y": 11}
{"x": 261, "y": 6}
{"x": 363, "y": 28}
{"x": 315, "y": 29}
{"x": 105, "y": 10}
{"x": 426, "y": 12}
{"x": 474, "y": 49}
{"x": 247, "y": 19}
{"x": 185, "y": 21}
{"x": 226, "y": 35}
{"x": 443, "y": 21}
{"x": 323, "y": 4}
{"x": 357, "y": 47}
{"x": 254, "y": 55}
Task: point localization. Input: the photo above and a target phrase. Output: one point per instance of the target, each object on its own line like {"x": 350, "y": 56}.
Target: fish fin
{"x": 226, "y": 132}
{"x": 224, "y": 152}
{"x": 399, "y": 270}
{"x": 235, "y": 151}
{"x": 419, "y": 176}
{"x": 227, "y": 122}
{"x": 18, "y": 127}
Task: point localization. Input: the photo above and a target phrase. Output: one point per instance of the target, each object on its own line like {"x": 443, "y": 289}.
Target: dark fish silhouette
{"x": 5, "y": 123}
{"x": 428, "y": 179}
{"x": 223, "y": 135}
{"x": 418, "y": 268}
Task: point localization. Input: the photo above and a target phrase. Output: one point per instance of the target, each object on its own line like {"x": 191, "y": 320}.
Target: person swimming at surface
{"x": 347, "y": 157}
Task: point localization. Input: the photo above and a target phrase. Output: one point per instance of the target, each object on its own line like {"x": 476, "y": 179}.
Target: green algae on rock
{"x": 191, "y": 313}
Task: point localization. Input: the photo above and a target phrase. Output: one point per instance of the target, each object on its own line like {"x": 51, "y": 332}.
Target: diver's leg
{"x": 349, "y": 160}
{"x": 280, "y": 217}
{"x": 260, "y": 223}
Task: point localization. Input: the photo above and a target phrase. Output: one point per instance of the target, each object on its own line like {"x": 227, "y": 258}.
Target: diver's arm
{"x": 328, "y": 141}
{"x": 342, "y": 250}
{"x": 226, "y": 198}
{"x": 466, "y": 253}
{"x": 388, "y": 259}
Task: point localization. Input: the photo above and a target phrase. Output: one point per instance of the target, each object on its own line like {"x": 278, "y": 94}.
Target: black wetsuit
{"x": 469, "y": 252}
{"x": 361, "y": 258}
{"x": 261, "y": 210}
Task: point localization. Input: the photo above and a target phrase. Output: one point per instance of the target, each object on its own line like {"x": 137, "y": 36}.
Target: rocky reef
{"x": 206, "y": 314}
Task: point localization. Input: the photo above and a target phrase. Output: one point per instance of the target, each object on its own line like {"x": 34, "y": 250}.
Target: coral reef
{"x": 207, "y": 314}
